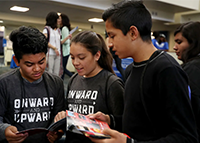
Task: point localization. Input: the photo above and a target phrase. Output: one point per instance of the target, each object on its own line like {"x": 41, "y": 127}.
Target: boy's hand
{"x": 12, "y": 137}
{"x": 100, "y": 116}
{"x": 116, "y": 137}
{"x": 60, "y": 116}
{"x": 54, "y": 136}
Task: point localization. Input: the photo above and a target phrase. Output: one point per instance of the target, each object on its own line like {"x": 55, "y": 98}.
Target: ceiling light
{"x": 95, "y": 20}
{"x": 79, "y": 29}
{"x": 18, "y": 8}
{"x": 2, "y": 28}
{"x": 58, "y": 13}
{"x": 1, "y": 21}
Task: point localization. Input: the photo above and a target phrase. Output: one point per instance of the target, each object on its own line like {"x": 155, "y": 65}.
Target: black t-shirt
{"x": 89, "y": 95}
{"x": 192, "y": 68}
{"x": 29, "y": 105}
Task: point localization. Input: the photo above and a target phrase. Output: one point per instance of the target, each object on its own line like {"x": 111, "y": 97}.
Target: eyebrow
{"x": 27, "y": 62}
{"x": 81, "y": 54}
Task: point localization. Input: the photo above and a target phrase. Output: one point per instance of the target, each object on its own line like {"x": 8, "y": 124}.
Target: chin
{"x": 122, "y": 57}
{"x": 81, "y": 74}
{"x": 36, "y": 78}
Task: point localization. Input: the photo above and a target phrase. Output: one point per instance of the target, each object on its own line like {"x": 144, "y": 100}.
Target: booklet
{"x": 53, "y": 127}
{"x": 76, "y": 123}
{"x": 81, "y": 124}
{"x": 73, "y": 30}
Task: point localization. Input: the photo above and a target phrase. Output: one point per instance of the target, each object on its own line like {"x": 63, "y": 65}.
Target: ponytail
{"x": 106, "y": 59}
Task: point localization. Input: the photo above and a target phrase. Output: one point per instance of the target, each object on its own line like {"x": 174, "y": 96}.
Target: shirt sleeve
{"x": 194, "y": 80}
{"x": 116, "y": 101}
{"x": 3, "y": 125}
{"x": 60, "y": 98}
{"x": 177, "y": 110}
{"x": 166, "y": 46}
{"x": 115, "y": 98}
{"x": 44, "y": 31}
{"x": 65, "y": 33}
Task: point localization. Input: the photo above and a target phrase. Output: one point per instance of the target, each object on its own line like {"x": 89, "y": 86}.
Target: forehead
{"x": 77, "y": 48}
{"x": 109, "y": 26}
{"x": 33, "y": 57}
{"x": 110, "y": 29}
{"x": 179, "y": 36}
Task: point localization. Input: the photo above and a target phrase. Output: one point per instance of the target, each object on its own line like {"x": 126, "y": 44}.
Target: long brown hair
{"x": 190, "y": 31}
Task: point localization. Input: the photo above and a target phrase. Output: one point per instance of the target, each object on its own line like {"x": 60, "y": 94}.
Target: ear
{"x": 15, "y": 60}
{"x": 134, "y": 33}
{"x": 97, "y": 55}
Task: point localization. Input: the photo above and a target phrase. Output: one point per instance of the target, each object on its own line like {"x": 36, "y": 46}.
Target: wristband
{"x": 129, "y": 140}
{"x": 112, "y": 121}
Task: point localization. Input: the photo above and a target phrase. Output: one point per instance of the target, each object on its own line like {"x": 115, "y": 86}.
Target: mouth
{"x": 177, "y": 53}
{"x": 79, "y": 69}
{"x": 37, "y": 74}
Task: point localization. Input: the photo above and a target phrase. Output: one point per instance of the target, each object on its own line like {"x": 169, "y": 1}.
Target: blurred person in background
{"x": 163, "y": 44}
{"x": 159, "y": 41}
{"x": 65, "y": 41}
{"x": 187, "y": 48}
{"x": 53, "y": 34}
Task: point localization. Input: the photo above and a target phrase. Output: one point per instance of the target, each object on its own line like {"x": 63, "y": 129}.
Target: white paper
{"x": 73, "y": 30}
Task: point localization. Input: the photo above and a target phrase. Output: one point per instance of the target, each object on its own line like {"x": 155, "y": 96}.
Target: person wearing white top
{"x": 52, "y": 32}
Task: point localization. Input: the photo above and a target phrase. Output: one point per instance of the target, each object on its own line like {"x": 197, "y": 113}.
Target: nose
{"x": 36, "y": 67}
{"x": 110, "y": 43}
{"x": 75, "y": 61}
{"x": 175, "y": 47}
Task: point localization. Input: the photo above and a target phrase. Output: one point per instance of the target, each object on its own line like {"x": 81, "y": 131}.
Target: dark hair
{"x": 65, "y": 21}
{"x": 51, "y": 19}
{"x": 125, "y": 14}
{"x": 93, "y": 43}
{"x": 156, "y": 34}
{"x": 190, "y": 31}
{"x": 28, "y": 40}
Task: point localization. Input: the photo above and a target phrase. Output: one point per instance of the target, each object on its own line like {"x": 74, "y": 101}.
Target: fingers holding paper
{"x": 100, "y": 116}
{"x": 60, "y": 116}
{"x": 116, "y": 137}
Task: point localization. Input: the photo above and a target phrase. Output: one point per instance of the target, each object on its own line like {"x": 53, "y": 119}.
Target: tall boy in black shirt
{"x": 157, "y": 105}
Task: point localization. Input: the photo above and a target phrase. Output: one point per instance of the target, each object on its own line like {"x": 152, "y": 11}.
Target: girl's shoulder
{"x": 65, "y": 28}
{"x": 111, "y": 78}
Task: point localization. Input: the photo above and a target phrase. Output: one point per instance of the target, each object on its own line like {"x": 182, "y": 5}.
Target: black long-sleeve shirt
{"x": 163, "y": 112}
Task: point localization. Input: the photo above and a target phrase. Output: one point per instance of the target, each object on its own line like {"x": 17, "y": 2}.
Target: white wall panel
{"x": 191, "y": 4}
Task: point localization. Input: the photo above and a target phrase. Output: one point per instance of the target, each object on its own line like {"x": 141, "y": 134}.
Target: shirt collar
{"x": 34, "y": 82}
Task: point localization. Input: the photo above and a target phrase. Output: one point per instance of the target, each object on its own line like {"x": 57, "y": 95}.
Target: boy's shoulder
{"x": 51, "y": 77}
{"x": 163, "y": 58}
{"x": 9, "y": 75}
